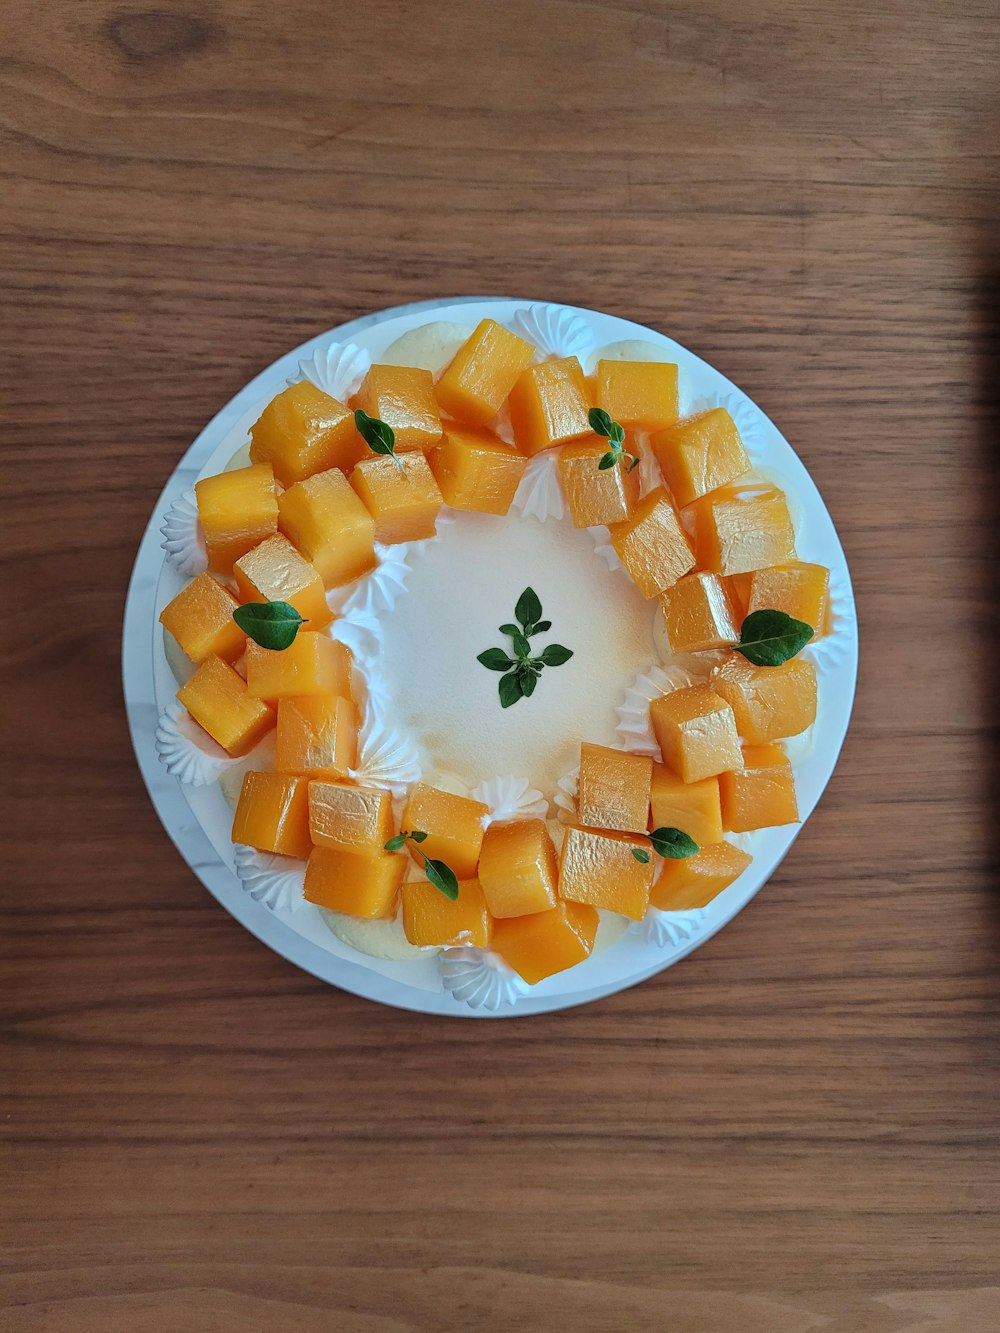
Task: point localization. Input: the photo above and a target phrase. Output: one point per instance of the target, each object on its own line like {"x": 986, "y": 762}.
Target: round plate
{"x": 198, "y": 819}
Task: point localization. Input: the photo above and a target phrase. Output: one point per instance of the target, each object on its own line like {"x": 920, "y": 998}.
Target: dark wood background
{"x": 796, "y": 1128}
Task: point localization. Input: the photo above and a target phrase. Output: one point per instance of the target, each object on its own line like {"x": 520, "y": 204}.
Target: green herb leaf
{"x": 397, "y": 843}
{"x": 418, "y": 836}
{"x": 672, "y": 844}
{"x": 510, "y": 629}
{"x": 272, "y": 625}
{"x": 528, "y": 682}
{"x": 617, "y": 435}
{"x": 521, "y": 645}
{"x": 379, "y": 437}
{"x": 641, "y": 854}
{"x": 541, "y": 627}
{"x": 529, "y": 608}
{"x": 769, "y": 638}
{"x": 608, "y": 460}
{"x": 600, "y": 422}
{"x": 495, "y": 659}
{"x": 442, "y": 877}
{"x": 510, "y": 689}
{"x": 555, "y": 655}
{"x": 634, "y": 463}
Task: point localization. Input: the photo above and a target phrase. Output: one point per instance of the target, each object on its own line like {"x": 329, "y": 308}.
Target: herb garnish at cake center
{"x": 522, "y": 669}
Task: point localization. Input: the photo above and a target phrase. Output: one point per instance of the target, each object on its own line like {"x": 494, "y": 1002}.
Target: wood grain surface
{"x": 795, "y": 1129}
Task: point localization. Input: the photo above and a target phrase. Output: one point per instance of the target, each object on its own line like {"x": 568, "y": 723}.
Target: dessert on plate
{"x": 500, "y": 646}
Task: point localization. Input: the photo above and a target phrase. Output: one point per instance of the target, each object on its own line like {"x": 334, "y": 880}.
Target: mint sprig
{"x": 670, "y": 843}
{"x": 522, "y": 670}
{"x": 272, "y": 625}
{"x": 602, "y": 424}
{"x": 769, "y": 638}
{"x": 438, "y": 873}
{"x": 378, "y": 435}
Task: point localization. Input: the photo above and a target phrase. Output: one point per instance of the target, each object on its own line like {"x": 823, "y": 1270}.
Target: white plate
{"x": 198, "y": 819}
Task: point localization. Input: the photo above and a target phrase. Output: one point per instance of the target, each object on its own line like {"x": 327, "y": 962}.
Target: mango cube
{"x": 614, "y": 789}
{"x": 518, "y": 868}
{"x": 275, "y": 572}
{"x": 799, "y": 589}
{"x": 484, "y": 370}
{"x": 696, "y": 732}
{"x": 217, "y": 698}
{"x": 743, "y": 528}
{"x": 476, "y": 470}
{"x": 302, "y": 431}
{"x": 273, "y": 814}
{"x": 761, "y": 794}
{"x": 652, "y": 544}
{"x": 453, "y": 824}
{"x": 693, "y": 807}
{"x": 599, "y": 869}
{"x": 327, "y": 520}
{"x": 637, "y": 393}
{"x": 548, "y": 405}
{"x": 200, "y": 618}
{"x": 768, "y": 702}
{"x": 312, "y": 664}
{"x": 366, "y": 886}
{"x": 429, "y": 918}
{"x": 349, "y": 818}
{"x": 699, "y": 614}
{"x": 696, "y": 880}
{"x": 403, "y": 397}
{"x": 699, "y": 454}
{"x": 594, "y": 496}
{"x": 237, "y": 510}
{"x": 404, "y": 503}
{"x": 317, "y": 735}
{"x": 540, "y": 945}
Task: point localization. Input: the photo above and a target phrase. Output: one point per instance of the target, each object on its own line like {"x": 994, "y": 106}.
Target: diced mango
{"x": 275, "y": 572}
{"x": 799, "y": 589}
{"x": 761, "y": 794}
{"x": 600, "y": 870}
{"x": 699, "y": 454}
{"x": 518, "y": 868}
{"x": 740, "y": 528}
{"x": 429, "y": 918}
{"x": 638, "y": 393}
{"x": 540, "y": 945}
{"x": 200, "y": 618}
{"x": 352, "y": 819}
{"x": 548, "y": 405}
{"x": 403, "y": 397}
{"x": 476, "y": 470}
{"x": 366, "y": 886}
{"x": 273, "y": 814}
{"x": 217, "y": 698}
{"x": 312, "y": 664}
{"x": 237, "y": 510}
{"x": 652, "y": 544}
{"x": 696, "y": 732}
{"x": 484, "y": 370}
{"x": 698, "y": 614}
{"x": 614, "y": 789}
{"x": 328, "y": 521}
{"x": 317, "y": 735}
{"x": 769, "y": 703}
{"x": 693, "y": 807}
{"x": 453, "y": 824}
{"x": 596, "y": 496}
{"x": 696, "y": 880}
{"x": 303, "y": 431}
{"x": 404, "y": 503}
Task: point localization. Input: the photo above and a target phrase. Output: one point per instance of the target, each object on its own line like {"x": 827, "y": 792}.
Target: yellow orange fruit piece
{"x": 453, "y": 824}
{"x": 304, "y": 430}
{"x": 699, "y": 614}
{"x": 696, "y": 732}
{"x": 348, "y": 817}
{"x": 317, "y": 735}
{"x": 696, "y": 880}
{"x": 200, "y": 618}
{"x": 403, "y": 397}
{"x": 637, "y": 393}
{"x": 273, "y": 814}
{"x": 652, "y": 544}
{"x": 274, "y": 571}
{"x": 594, "y": 495}
{"x": 699, "y": 454}
{"x": 769, "y": 703}
{"x": 614, "y": 789}
{"x": 402, "y": 497}
{"x": 548, "y": 405}
{"x": 518, "y": 868}
{"x": 217, "y": 698}
{"x": 761, "y": 794}
{"x": 429, "y": 918}
{"x": 237, "y": 510}
{"x": 693, "y": 807}
{"x": 482, "y": 373}
{"x": 328, "y": 521}
{"x": 739, "y": 528}
{"x": 600, "y": 869}
{"x": 799, "y": 589}
{"x": 476, "y": 470}
{"x": 359, "y": 885}
{"x": 312, "y": 664}
{"x": 540, "y": 945}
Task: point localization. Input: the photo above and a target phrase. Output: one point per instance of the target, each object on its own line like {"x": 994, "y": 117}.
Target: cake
{"x": 499, "y": 646}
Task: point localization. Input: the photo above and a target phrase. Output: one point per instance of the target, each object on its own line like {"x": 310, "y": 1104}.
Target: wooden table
{"x": 796, "y": 1128}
